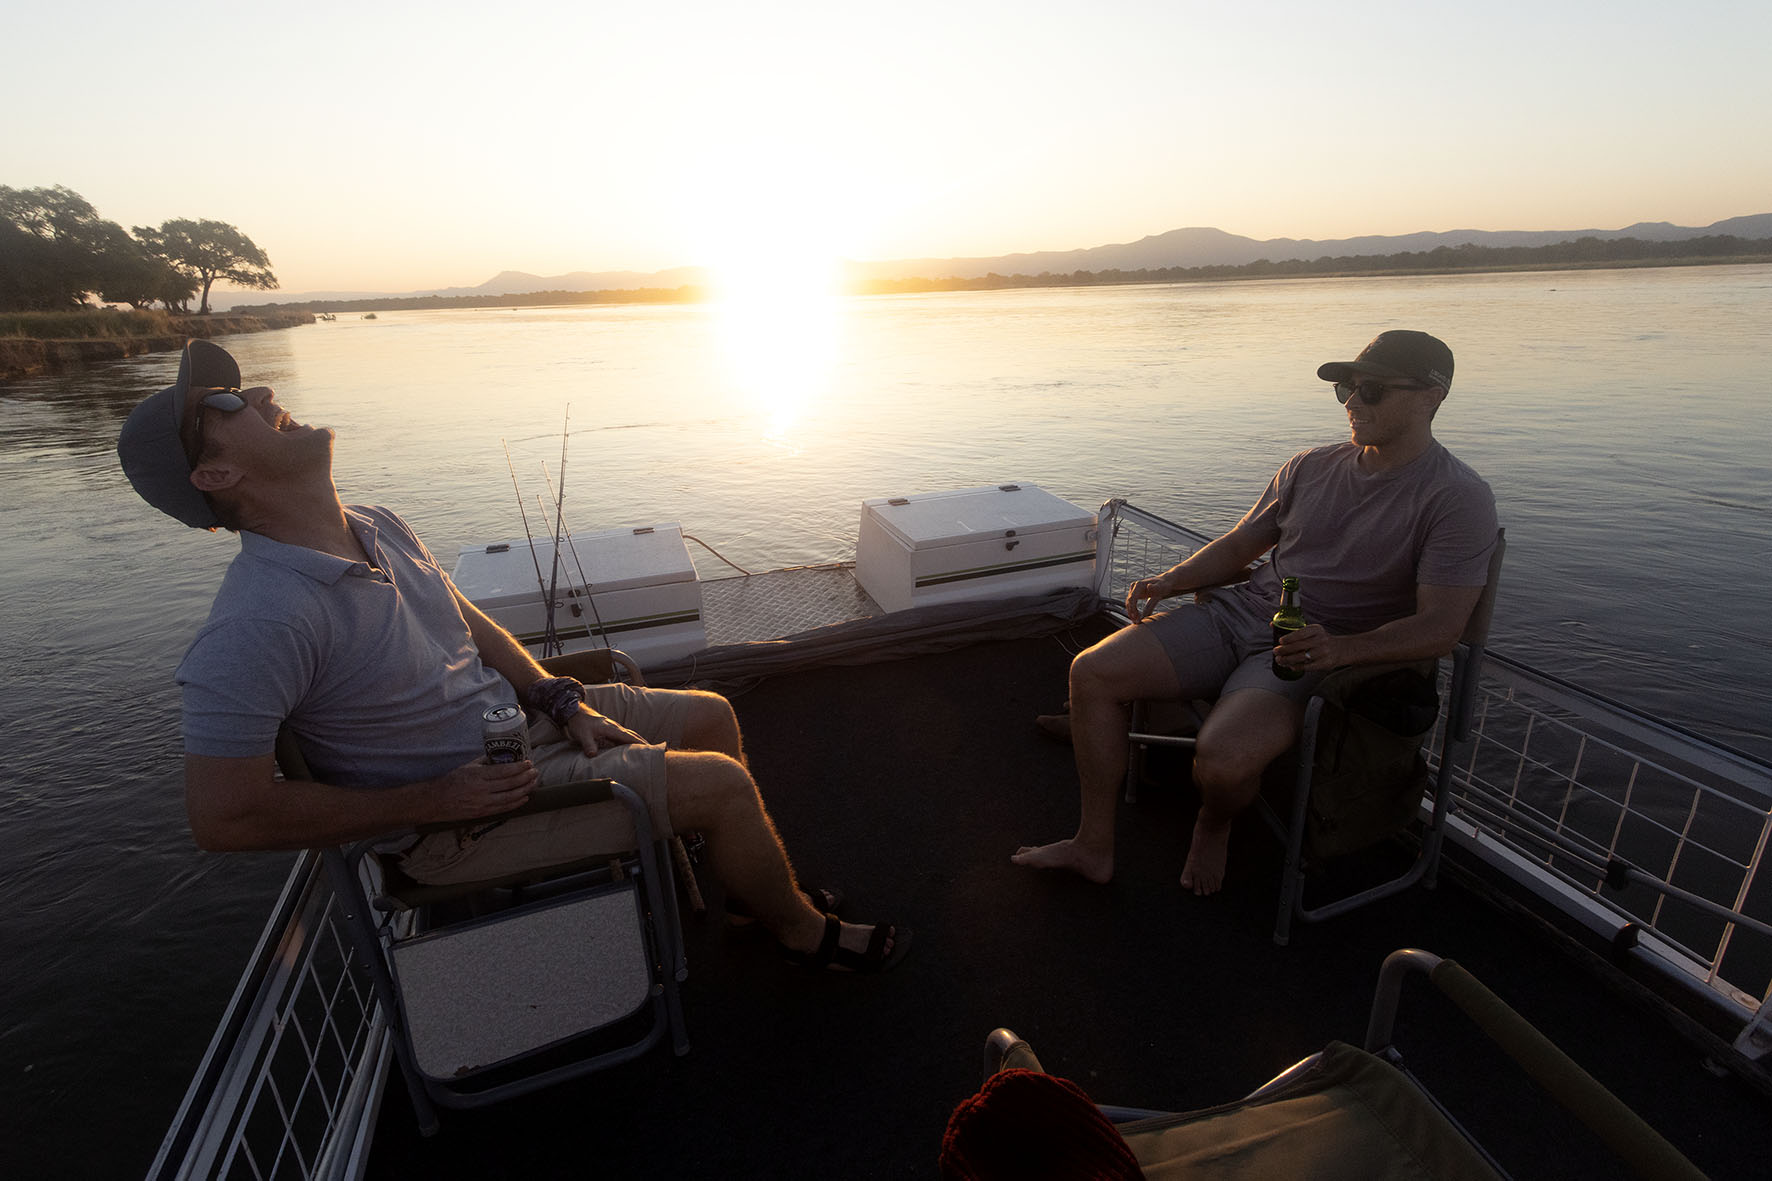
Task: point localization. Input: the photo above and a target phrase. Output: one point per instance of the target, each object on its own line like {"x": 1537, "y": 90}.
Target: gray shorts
{"x": 1222, "y": 645}
{"x": 474, "y": 852}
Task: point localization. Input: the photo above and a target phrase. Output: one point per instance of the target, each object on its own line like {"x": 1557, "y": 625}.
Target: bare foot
{"x": 1097, "y": 867}
{"x": 1204, "y": 871}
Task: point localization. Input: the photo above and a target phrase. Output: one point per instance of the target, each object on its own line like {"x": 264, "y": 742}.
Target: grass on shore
{"x": 90, "y": 324}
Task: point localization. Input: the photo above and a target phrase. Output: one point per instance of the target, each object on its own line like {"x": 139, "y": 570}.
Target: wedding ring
{"x": 1307, "y": 657}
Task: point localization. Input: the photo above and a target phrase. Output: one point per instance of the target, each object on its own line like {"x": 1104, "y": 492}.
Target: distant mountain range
{"x": 1193, "y": 247}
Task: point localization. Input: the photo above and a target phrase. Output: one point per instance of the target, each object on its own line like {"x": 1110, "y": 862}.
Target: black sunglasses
{"x": 228, "y": 401}
{"x": 1371, "y": 392}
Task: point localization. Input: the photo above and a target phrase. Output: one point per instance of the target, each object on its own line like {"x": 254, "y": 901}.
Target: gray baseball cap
{"x": 151, "y": 445}
{"x": 1397, "y": 353}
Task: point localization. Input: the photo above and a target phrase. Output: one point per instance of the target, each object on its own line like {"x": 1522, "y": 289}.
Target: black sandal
{"x": 833, "y": 956}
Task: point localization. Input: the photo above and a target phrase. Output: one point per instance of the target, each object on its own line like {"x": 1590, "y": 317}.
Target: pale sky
{"x": 393, "y": 147}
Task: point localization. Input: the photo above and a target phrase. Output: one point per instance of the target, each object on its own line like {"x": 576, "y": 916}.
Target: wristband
{"x": 557, "y": 697}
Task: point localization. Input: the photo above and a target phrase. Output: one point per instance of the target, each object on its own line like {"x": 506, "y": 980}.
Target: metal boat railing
{"x": 1652, "y": 836}
{"x": 291, "y": 1083}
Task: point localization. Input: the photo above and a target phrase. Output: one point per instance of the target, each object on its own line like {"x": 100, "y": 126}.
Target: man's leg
{"x": 1246, "y": 730}
{"x": 710, "y": 724}
{"x": 1104, "y": 681}
{"x": 715, "y": 794}
{"x": 708, "y": 789}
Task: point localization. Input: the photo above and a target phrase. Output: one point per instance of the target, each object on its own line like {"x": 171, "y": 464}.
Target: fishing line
{"x": 539, "y": 584}
{"x": 552, "y": 640}
{"x": 583, "y": 578}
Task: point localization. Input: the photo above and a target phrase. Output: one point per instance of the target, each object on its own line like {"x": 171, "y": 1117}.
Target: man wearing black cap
{"x": 1389, "y": 537}
{"x": 336, "y": 621}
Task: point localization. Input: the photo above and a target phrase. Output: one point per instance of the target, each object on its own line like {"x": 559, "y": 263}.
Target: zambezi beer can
{"x": 506, "y": 736}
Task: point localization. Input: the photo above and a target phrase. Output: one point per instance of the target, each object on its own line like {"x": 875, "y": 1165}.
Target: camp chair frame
{"x": 1642, "y": 1150}
{"x": 387, "y": 913}
{"x": 1462, "y": 696}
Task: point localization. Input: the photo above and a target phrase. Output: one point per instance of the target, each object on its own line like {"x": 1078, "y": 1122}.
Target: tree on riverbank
{"x": 204, "y": 251}
{"x": 55, "y": 250}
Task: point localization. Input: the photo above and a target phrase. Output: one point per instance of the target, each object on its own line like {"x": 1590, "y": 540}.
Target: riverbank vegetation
{"x": 50, "y": 342}
{"x": 1578, "y": 254}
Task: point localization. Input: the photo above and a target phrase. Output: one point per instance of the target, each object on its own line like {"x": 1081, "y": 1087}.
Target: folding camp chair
{"x": 1462, "y": 696}
{"x": 498, "y": 987}
{"x": 1342, "y": 1113}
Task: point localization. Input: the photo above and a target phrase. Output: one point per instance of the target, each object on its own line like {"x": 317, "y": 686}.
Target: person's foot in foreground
{"x": 830, "y": 943}
{"x": 1206, "y": 857}
{"x": 1094, "y": 864}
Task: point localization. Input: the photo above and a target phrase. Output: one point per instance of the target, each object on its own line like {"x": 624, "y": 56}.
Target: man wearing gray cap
{"x": 1389, "y": 537}
{"x": 335, "y": 620}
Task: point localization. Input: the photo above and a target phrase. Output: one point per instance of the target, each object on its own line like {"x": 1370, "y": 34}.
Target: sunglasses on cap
{"x": 228, "y": 401}
{"x": 1371, "y": 392}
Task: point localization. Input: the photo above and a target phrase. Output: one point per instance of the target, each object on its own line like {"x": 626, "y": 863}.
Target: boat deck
{"x": 780, "y": 603}
{"x": 908, "y": 784}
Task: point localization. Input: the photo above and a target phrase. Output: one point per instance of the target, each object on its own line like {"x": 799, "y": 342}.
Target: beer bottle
{"x": 1289, "y": 618}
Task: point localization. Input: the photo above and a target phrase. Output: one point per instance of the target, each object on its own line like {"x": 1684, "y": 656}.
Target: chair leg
{"x": 686, "y": 874}
{"x": 367, "y": 946}
{"x": 1135, "y": 752}
{"x": 1292, "y": 871}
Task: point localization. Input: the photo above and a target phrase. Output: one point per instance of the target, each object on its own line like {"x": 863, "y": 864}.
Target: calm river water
{"x": 1620, "y": 415}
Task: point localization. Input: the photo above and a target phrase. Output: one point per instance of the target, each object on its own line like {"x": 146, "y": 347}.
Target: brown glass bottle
{"x": 1289, "y": 618}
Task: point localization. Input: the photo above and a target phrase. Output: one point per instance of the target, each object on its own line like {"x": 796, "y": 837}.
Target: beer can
{"x": 506, "y": 735}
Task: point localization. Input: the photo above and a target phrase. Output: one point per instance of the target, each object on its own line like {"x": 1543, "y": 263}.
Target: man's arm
{"x": 500, "y": 651}
{"x": 235, "y": 805}
{"x": 1223, "y": 561}
{"x": 1434, "y": 630}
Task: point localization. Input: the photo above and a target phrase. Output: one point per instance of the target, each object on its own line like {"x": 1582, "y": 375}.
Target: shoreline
{"x": 25, "y": 356}
{"x": 995, "y": 282}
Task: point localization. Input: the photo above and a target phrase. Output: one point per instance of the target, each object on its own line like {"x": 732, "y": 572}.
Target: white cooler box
{"x": 977, "y": 543}
{"x": 643, "y": 589}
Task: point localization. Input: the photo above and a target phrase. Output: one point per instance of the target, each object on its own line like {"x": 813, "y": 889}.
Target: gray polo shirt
{"x": 372, "y": 666}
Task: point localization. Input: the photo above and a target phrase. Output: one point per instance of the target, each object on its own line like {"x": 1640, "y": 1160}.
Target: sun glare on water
{"x": 778, "y": 318}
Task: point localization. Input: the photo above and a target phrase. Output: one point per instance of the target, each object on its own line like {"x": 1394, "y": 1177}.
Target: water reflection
{"x": 780, "y": 331}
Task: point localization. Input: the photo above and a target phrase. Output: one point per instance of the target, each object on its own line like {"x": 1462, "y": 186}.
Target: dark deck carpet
{"x": 909, "y": 784}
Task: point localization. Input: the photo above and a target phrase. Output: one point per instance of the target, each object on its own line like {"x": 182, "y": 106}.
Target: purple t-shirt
{"x": 373, "y": 667}
{"x": 1359, "y": 543}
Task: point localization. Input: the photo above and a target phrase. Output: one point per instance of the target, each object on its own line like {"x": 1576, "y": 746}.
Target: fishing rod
{"x": 583, "y": 578}
{"x": 527, "y": 536}
{"x": 551, "y": 642}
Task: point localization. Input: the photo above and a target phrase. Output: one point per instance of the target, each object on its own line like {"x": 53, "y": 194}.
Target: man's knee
{"x": 700, "y": 779}
{"x": 1242, "y": 735}
{"x": 709, "y": 718}
{"x": 1121, "y": 669}
{"x": 1228, "y": 762}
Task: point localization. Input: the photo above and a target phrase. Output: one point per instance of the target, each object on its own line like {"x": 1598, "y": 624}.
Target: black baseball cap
{"x": 151, "y": 445}
{"x": 1397, "y": 353}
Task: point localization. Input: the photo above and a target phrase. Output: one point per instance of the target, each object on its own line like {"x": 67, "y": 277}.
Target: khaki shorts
{"x": 490, "y": 850}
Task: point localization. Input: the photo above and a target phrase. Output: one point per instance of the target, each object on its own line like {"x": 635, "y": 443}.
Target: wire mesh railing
{"x": 279, "y": 1094}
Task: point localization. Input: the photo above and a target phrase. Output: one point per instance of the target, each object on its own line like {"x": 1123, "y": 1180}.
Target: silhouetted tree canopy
{"x": 56, "y": 251}
{"x": 54, "y": 248}
{"x": 204, "y": 251}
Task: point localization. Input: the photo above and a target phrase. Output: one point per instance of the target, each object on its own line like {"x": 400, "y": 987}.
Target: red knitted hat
{"x": 1026, "y": 1126}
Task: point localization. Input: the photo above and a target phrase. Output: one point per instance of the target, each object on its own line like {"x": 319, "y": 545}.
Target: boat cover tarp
{"x": 915, "y": 632}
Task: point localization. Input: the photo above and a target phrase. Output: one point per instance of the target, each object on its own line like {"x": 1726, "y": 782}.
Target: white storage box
{"x": 977, "y": 543}
{"x": 633, "y": 589}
